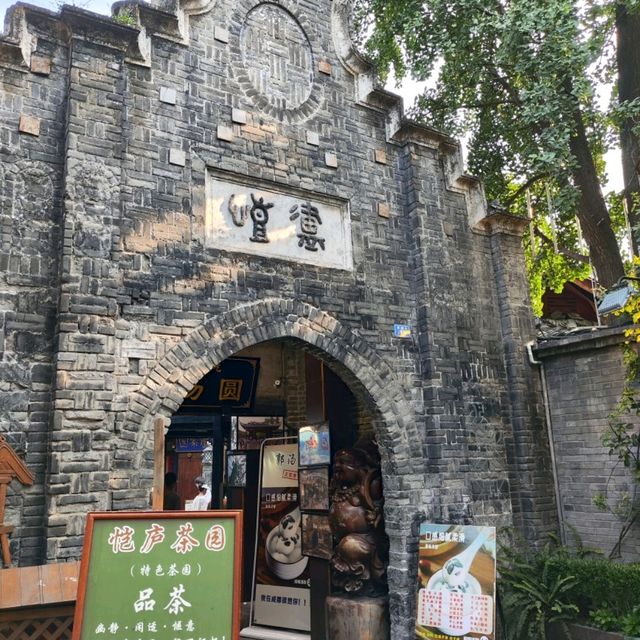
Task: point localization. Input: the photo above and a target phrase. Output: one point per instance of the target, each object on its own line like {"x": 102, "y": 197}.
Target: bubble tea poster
{"x": 457, "y": 588}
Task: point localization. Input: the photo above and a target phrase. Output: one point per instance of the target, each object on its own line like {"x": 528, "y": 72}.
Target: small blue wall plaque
{"x": 401, "y": 331}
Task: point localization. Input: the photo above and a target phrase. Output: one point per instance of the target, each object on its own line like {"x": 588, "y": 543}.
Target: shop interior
{"x": 267, "y": 391}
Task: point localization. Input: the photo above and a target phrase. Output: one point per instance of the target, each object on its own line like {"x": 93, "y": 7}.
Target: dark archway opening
{"x": 293, "y": 386}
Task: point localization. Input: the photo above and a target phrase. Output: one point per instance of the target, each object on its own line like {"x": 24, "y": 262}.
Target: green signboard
{"x": 160, "y": 576}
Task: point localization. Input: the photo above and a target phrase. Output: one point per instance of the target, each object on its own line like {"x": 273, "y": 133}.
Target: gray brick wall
{"x": 140, "y": 309}
{"x": 585, "y": 376}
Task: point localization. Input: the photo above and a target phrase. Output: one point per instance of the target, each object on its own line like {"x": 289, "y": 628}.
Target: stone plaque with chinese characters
{"x": 267, "y": 220}
{"x": 160, "y": 575}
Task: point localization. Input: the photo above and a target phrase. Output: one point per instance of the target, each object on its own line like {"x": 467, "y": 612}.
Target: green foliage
{"x": 518, "y": 78}
{"x": 600, "y": 583}
{"x": 559, "y": 585}
{"x": 126, "y": 17}
{"x": 603, "y": 618}
{"x": 534, "y": 597}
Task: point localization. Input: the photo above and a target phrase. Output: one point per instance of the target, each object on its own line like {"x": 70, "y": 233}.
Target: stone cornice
{"x": 17, "y": 44}
{"x": 106, "y": 32}
{"x": 498, "y": 221}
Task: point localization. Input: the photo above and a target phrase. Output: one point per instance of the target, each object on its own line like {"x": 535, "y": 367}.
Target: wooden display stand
{"x": 358, "y": 617}
{"x": 10, "y": 467}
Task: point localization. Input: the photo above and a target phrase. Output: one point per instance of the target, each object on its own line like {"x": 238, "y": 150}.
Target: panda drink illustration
{"x": 284, "y": 547}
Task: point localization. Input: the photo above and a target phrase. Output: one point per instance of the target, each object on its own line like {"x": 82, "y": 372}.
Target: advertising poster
{"x": 282, "y": 592}
{"x": 457, "y": 591}
{"x": 315, "y": 447}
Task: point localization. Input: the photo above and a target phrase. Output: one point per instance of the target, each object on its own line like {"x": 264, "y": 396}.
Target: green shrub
{"x": 558, "y": 584}
{"x": 600, "y": 584}
{"x": 532, "y": 596}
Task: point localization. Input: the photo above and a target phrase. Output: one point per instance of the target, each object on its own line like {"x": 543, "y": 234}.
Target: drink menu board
{"x": 151, "y": 576}
{"x": 457, "y": 591}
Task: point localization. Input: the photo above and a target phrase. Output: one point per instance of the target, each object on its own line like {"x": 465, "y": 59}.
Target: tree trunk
{"x": 592, "y": 210}
{"x": 628, "y": 62}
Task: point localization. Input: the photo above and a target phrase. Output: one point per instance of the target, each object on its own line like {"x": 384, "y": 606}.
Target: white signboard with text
{"x": 264, "y": 221}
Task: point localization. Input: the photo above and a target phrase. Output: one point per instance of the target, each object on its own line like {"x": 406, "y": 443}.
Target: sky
{"x": 409, "y": 90}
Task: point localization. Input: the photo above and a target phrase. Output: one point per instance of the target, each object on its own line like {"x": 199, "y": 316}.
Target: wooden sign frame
{"x": 162, "y": 516}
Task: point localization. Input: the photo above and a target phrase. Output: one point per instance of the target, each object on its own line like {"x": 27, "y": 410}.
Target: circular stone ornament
{"x": 277, "y": 61}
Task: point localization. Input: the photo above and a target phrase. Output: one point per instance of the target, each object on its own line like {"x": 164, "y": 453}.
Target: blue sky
{"x": 99, "y": 6}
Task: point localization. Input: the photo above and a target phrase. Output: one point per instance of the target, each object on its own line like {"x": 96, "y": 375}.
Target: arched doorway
{"x": 390, "y": 407}
{"x": 216, "y": 436}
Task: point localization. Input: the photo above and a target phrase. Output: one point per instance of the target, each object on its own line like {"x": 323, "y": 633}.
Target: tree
{"x": 518, "y": 78}
{"x": 627, "y": 21}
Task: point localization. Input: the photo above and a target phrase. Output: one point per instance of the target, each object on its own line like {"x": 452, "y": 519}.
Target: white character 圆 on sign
{"x": 216, "y": 539}
{"x": 309, "y": 222}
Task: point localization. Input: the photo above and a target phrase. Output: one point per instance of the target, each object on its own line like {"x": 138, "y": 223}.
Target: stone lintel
{"x": 501, "y": 222}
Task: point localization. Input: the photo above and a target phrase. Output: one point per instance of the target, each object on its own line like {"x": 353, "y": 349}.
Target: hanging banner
{"x": 282, "y": 585}
{"x": 160, "y": 575}
{"x": 457, "y": 588}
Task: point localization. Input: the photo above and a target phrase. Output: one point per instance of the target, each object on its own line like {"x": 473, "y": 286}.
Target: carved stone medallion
{"x": 276, "y": 58}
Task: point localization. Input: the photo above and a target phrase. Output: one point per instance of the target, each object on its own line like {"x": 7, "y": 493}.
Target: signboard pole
{"x": 157, "y": 496}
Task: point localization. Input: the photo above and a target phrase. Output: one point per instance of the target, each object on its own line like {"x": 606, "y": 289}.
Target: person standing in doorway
{"x": 203, "y": 499}
{"x": 171, "y": 500}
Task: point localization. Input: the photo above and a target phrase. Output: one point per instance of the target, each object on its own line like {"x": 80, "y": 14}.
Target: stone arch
{"x": 368, "y": 375}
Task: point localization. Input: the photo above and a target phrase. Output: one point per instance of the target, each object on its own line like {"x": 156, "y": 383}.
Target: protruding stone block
{"x": 177, "y": 157}
{"x": 41, "y": 65}
{"x": 380, "y": 156}
{"x": 225, "y": 133}
{"x": 238, "y": 116}
{"x": 30, "y": 125}
{"x": 168, "y": 95}
{"x": 221, "y": 34}
{"x": 384, "y": 210}
{"x": 313, "y": 138}
{"x": 331, "y": 159}
{"x": 324, "y": 66}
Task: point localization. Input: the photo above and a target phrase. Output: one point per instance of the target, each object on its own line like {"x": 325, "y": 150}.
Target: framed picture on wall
{"x": 248, "y": 432}
{"x": 317, "y": 539}
{"x": 236, "y": 470}
{"x": 314, "y": 445}
{"x": 314, "y": 488}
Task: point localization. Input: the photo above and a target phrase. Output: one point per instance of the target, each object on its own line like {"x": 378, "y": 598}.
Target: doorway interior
{"x": 278, "y": 387}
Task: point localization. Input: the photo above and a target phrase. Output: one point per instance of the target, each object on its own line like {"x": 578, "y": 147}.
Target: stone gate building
{"x": 211, "y": 177}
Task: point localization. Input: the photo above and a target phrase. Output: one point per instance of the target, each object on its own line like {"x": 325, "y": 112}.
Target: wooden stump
{"x": 357, "y": 617}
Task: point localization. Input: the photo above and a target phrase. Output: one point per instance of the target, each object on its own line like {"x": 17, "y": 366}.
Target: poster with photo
{"x": 236, "y": 469}
{"x": 314, "y": 444}
{"x": 282, "y": 587}
{"x": 457, "y": 586}
{"x": 314, "y": 489}
{"x": 317, "y": 539}
{"x": 248, "y": 432}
